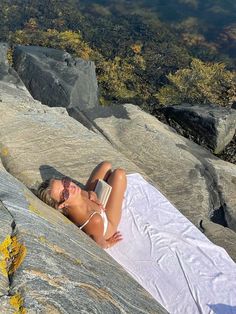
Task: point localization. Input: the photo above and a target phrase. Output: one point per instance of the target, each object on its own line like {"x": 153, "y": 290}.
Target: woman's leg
{"x": 118, "y": 181}
{"x": 101, "y": 171}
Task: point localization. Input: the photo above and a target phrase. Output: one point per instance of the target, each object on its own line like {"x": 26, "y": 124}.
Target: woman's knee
{"x": 105, "y": 165}
{"x": 119, "y": 173}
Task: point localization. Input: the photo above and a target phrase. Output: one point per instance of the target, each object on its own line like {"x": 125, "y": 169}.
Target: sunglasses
{"x": 65, "y": 192}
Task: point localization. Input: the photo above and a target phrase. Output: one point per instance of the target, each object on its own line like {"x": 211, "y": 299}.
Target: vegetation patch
{"x": 5, "y": 255}
{"x": 17, "y": 254}
{"x": 10, "y": 56}
{"x": 138, "y": 47}
{"x": 201, "y": 83}
{"x": 12, "y": 254}
{"x": 16, "y": 301}
{"x": 4, "y": 151}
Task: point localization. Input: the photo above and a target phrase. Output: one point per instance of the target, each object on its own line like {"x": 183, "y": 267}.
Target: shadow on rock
{"x": 116, "y": 111}
{"x": 219, "y": 210}
{"x": 49, "y": 172}
{"x": 88, "y": 117}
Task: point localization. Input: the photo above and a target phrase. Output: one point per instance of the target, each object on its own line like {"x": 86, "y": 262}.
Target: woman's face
{"x": 64, "y": 191}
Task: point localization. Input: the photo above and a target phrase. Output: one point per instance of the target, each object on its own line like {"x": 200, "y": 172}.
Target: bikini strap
{"x": 87, "y": 221}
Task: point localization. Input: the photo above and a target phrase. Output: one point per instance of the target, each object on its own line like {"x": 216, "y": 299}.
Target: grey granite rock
{"x": 199, "y": 184}
{"x": 208, "y": 125}
{"x": 55, "y": 78}
{"x": 55, "y": 267}
{"x": 6, "y": 229}
{"x": 7, "y": 73}
{"x": 17, "y": 99}
{"x": 6, "y": 306}
{"x": 37, "y": 144}
{"x": 58, "y": 269}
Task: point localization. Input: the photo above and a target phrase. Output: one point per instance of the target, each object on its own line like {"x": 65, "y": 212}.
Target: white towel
{"x": 170, "y": 257}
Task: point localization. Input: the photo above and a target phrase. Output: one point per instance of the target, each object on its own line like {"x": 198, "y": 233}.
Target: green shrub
{"x": 200, "y": 83}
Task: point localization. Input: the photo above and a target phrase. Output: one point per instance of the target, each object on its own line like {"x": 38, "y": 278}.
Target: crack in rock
{"x": 216, "y": 199}
{"x": 217, "y": 203}
{"x": 12, "y": 254}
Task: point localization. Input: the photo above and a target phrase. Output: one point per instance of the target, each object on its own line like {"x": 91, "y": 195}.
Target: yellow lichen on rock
{"x": 4, "y": 151}
{"x": 16, "y": 301}
{"x": 34, "y": 209}
{"x": 12, "y": 254}
{"x": 18, "y": 252}
{"x": 31, "y": 204}
{"x": 42, "y": 239}
{"x": 78, "y": 261}
{"x": 5, "y": 255}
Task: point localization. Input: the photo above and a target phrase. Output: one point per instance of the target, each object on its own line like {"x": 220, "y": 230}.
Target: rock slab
{"x": 59, "y": 269}
{"x": 61, "y": 263}
{"x": 7, "y": 73}
{"x": 199, "y": 184}
{"x": 56, "y": 78}
{"x": 208, "y": 125}
{"x": 55, "y": 267}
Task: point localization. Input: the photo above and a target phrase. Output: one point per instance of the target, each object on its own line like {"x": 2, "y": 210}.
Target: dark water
{"x": 217, "y": 13}
{"x": 214, "y": 20}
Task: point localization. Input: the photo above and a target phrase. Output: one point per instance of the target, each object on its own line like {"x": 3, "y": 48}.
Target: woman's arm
{"x": 101, "y": 171}
{"x": 116, "y": 237}
{"x": 95, "y": 230}
{"x": 107, "y": 243}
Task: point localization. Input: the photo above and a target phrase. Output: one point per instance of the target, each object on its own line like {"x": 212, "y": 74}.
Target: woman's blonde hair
{"x": 44, "y": 193}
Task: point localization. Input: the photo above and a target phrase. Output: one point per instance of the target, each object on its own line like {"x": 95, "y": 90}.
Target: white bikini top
{"x": 104, "y": 217}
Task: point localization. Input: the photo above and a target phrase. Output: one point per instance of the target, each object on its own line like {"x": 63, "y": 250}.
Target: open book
{"x": 103, "y": 191}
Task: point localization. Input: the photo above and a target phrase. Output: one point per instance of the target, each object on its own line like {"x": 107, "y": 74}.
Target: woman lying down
{"x": 171, "y": 258}
{"x": 84, "y": 208}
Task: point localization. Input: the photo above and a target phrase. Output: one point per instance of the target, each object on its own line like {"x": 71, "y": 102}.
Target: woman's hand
{"x": 114, "y": 239}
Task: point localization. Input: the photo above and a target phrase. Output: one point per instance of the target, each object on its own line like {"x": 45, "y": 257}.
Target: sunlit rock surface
{"x": 56, "y": 78}
{"x": 47, "y": 265}
{"x": 54, "y": 267}
{"x": 200, "y": 185}
{"x": 7, "y": 73}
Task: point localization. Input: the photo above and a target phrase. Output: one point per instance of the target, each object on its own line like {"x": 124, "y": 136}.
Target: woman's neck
{"x": 80, "y": 209}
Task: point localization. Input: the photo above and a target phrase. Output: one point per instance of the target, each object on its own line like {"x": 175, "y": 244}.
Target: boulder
{"x": 56, "y": 78}
{"x": 208, "y": 125}
{"x": 199, "y": 184}
{"x": 229, "y": 153}
{"x": 38, "y": 142}
{"x": 47, "y": 265}
{"x": 7, "y": 73}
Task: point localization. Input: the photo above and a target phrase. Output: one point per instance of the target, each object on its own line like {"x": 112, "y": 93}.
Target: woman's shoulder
{"x": 95, "y": 223}
{"x": 96, "y": 217}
